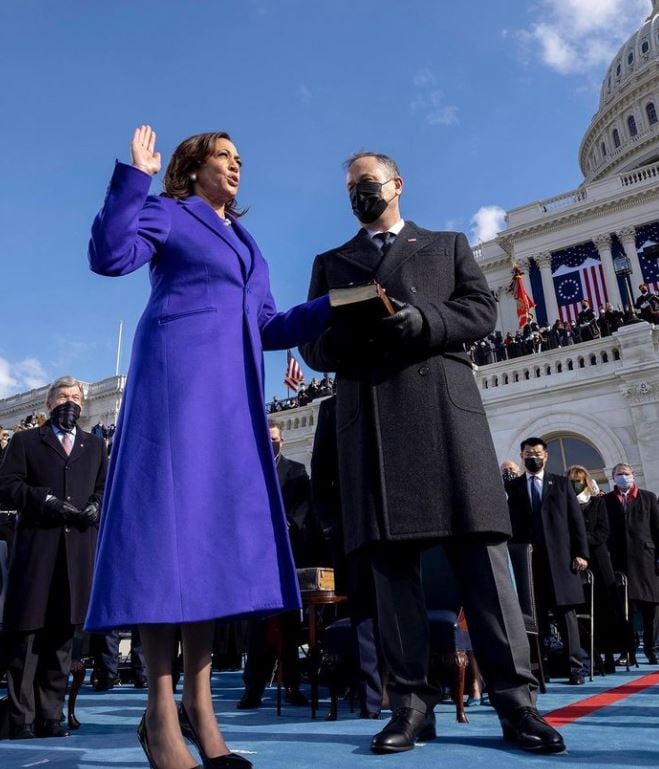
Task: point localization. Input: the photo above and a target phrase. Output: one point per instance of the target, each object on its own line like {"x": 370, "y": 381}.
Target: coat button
{"x": 424, "y": 370}
{"x": 68, "y": 499}
{"x": 413, "y": 289}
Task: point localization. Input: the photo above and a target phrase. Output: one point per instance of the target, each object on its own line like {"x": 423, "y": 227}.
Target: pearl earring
{"x": 193, "y": 177}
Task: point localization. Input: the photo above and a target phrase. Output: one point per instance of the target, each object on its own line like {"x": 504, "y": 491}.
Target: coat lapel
{"x": 361, "y": 252}
{"x": 205, "y": 214}
{"x": 78, "y": 445}
{"x": 407, "y": 243}
{"x": 548, "y": 487}
{"x": 49, "y": 437}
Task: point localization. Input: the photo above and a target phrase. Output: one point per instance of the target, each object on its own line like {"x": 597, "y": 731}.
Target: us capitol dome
{"x": 624, "y": 133}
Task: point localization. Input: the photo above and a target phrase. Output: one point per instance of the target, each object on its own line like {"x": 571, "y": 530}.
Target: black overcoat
{"x": 634, "y": 543}
{"x": 35, "y": 465}
{"x": 296, "y": 493}
{"x": 416, "y": 458}
{"x": 563, "y": 537}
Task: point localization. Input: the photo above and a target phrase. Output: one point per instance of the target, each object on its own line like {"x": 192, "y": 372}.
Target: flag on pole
{"x": 294, "y": 376}
{"x": 524, "y": 301}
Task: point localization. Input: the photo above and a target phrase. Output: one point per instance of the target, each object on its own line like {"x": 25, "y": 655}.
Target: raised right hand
{"x": 142, "y": 150}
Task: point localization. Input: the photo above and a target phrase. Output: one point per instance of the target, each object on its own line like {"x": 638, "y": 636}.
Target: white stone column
{"x": 627, "y": 237}
{"x": 603, "y": 244}
{"x": 543, "y": 261}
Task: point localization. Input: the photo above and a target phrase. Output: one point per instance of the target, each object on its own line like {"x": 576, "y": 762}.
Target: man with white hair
{"x": 53, "y": 476}
{"x": 634, "y": 547}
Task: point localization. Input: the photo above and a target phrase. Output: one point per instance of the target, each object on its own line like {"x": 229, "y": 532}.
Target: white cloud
{"x": 577, "y": 36}
{"x": 27, "y": 374}
{"x": 487, "y": 223}
{"x": 430, "y": 101}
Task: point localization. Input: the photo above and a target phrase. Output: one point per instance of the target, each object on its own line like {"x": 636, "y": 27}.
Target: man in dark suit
{"x": 54, "y": 476}
{"x": 634, "y": 547}
{"x": 262, "y": 634}
{"x": 416, "y": 458}
{"x": 544, "y": 512}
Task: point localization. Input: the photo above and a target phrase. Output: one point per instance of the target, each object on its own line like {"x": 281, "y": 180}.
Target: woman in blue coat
{"x": 193, "y": 527}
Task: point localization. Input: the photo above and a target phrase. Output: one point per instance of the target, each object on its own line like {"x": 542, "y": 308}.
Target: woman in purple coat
{"x": 193, "y": 527}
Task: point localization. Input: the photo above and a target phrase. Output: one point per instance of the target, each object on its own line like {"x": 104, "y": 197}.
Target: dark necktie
{"x": 384, "y": 240}
{"x": 536, "y": 497}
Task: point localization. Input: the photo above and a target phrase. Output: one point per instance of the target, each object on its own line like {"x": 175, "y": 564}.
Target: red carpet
{"x": 570, "y": 713}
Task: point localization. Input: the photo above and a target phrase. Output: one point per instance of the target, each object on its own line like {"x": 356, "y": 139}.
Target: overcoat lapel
{"x": 407, "y": 243}
{"x": 78, "y": 445}
{"x": 205, "y": 214}
{"x": 49, "y": 437}
{"x": 547, "y": 486}
{"x": 361, "y": 252}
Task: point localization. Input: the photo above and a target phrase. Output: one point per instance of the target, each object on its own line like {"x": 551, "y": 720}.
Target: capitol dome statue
{"x": 624, "y": 133}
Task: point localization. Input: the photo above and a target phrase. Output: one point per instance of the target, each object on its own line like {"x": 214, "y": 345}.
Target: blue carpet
{"x": 625, "y": 734}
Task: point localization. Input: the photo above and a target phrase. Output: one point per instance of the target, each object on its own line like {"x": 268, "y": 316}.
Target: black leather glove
{"x": 405, "y": 323}
{"x": 60, "y": 511}
{"x": 90, "y": 515}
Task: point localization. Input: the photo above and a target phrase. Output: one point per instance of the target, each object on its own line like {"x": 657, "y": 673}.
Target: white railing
{"x": 562, "y": 201}
{"x": 552, "y": 366}
{"x": 640, "y": 175}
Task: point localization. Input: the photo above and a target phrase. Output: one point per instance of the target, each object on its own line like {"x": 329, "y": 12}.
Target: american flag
{"x": 578, "y": 275}
{"x": 647, "y": 235}
{"x": 294, "y": 376}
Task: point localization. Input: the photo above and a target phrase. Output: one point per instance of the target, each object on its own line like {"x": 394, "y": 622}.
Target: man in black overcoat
{"x": 545, "y": 512}
{"x": 416, "y": 458}
{"x": 634, "y": 547}
{"x": 304, "y": 537}
{"x": 54, "y": 477}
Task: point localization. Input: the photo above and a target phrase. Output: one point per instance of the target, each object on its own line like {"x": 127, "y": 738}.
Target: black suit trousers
{"x": 40, "y": 661}
{"x": 494, "y": 618}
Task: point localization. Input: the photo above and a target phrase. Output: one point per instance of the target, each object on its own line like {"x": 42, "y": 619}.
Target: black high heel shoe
{"x": 228, "y": 761}
{"x": 144, "y": 742}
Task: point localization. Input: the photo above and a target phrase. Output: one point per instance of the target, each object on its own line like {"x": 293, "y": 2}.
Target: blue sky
{"x": 483, "y": 104}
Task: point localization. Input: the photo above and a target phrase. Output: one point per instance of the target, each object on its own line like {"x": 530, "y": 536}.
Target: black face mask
{"x": 276, "y": 448}
{"x": 368, "y": 205}
{"x": 508, "y": 475}
{"x": 578, "y": 487}
{"x": 534, "y": 464}
{"x": 66, "y": 415}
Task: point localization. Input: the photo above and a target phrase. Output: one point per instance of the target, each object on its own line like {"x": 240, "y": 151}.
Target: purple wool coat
{"x": 193, "y": 526}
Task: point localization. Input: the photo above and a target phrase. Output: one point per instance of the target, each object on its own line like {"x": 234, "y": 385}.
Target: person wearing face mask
{"x": 296, "y": 494}
{"x": 587, "y": 322}
{"x": 544, "y": 512}
{"x": 608, "y": 607}
{"x": 416, "y": 460}
{"x": 54, "y": 476}
{"x": 509, "y": 471}
{"x": 634, "y": 547}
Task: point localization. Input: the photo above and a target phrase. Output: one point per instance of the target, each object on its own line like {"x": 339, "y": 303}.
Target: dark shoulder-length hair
{"x": 190, "y": 154}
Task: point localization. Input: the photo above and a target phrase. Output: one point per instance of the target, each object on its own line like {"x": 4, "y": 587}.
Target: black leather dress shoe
{"x": 576, "y": 679}
{"x": 529, "y": 731}
{"x": 25, "y": 732}
{"x": 369, "y": 714}
{"x": 652, "y": 659}
{"x": 406, "y": 727}
{"x": 249, "y": 701}
{"x": 140, "y": 682}
{"x": 295, "y": 697}
{"x": 51, "y": 727}
{"x": 104, "y": 682}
